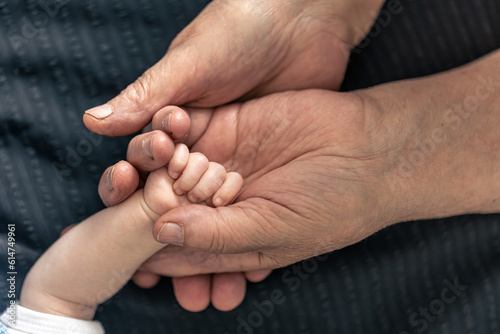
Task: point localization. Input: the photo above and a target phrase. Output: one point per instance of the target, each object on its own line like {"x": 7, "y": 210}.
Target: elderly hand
{"x": 239, "y": 49}
{"x": 233, "y": 50}
{"x": 324, "y": 170}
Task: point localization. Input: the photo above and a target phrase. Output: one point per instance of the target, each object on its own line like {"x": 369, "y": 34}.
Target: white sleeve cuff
{"x": 18, "y": 319}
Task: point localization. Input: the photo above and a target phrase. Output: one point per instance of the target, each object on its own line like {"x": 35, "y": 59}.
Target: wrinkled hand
{"x": 324, "y": 170}
{"x": 313, "y": 163}
{"x": 240, "y": 49}
{"x": 234, "y": 50}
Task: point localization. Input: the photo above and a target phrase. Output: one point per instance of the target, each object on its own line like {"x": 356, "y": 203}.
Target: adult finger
{"x": 190, "y": 68}
{"x": 185, "y": 125}
{"x": 192, "y": 292}
{"x": 173, "y": 120}
{"x": 145, "y": 280}
{"x": 176, "y": 261}
{"x": 207, "y": 65}
{"x": 134, "y": 107}
{"x": 118, "y": 183}
{"x": 239, "y": 228}
{"x": 228, "y": 290}
{"x": 67, "y": 229}
{"x": 258, "y": 275}
{"x": 150, "y": 151}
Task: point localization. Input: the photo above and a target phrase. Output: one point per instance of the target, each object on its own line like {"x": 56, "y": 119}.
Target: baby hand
{"x": 93, "y": 261}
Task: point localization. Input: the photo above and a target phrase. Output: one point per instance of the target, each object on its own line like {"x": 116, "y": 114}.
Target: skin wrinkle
{"x": 286, "y": 61}
{"x": 193, "y": 258}
{"x": 56, "y": 308}
{"x": 190, "y": 65}
{"x": 109, "y": 179}
{"x": 246, "y": 58}
{"x": 228, "y": 225}
{"x": 254, "y": 208}
{"x": 271, "y": 198}
{"x": 296, "y": 137}
{"x": 239, "y": 127}
{"x": 166, "y": 121}
{"x": 193, "y": 144}
{"x": 137, "y": 92}
{"x": 215, "y": 245}
{"x": 148, "y": 211}
{"x": 312, "y": 208}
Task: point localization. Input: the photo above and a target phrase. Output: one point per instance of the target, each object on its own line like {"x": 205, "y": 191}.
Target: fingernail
{"x": 110, "y": 179}
{"x": 218, "y": 201}
{"x": 147, "y": 147}
{"x": 166, "y": 124}
{"x": 100, "y": 112}
{"x": 171, "y": 233}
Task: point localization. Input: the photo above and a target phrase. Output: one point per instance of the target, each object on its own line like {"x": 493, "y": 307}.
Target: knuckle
{"x": 218, "y": 171}
{"x": 136, "y": 93}
{"x": 199, "y": 159}
{"x": 235, "y": 177}
{"x": 217, "y": 244}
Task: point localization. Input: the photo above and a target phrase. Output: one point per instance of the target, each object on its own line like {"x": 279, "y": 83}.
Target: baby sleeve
{"x": 20, "y": 320}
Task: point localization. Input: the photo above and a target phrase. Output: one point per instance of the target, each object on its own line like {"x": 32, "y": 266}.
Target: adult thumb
{"x": 171, "y": 81}
{"x": 236, "y": 229}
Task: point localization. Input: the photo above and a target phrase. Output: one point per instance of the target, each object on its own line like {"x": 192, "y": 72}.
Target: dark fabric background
{"x": 53, "y": 67}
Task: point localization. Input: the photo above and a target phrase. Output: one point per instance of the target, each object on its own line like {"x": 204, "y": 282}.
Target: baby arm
{"x": 93, "y": 261}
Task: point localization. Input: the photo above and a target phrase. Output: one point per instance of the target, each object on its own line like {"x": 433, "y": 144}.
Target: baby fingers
{"x": 196, "y": 166}
{"x": 229, "y": 190}
{"x": 179, "y": 161}
{"x": 210, "y": 182}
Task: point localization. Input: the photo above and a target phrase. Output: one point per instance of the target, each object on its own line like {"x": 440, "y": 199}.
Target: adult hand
{"x": 235, "y": 50}
{"x": 239, "y": 49}
{"x": 324, "y": 170}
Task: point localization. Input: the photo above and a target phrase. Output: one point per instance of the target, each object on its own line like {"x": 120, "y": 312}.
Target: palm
{"x": 297, "y": 161}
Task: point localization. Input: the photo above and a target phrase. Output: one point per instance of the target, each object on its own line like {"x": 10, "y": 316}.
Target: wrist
{"x": 36, "y": 300}
{"x": 444, "y": 145}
